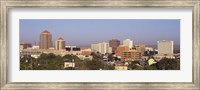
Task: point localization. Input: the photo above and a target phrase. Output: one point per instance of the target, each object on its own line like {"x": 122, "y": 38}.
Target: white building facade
{"x": 35, "y": 47}
{"x": 128, "y": 42}
{"x": 101, "y": 48}
{"x": 165, "y": 47}
{"x": 165, "y": 50}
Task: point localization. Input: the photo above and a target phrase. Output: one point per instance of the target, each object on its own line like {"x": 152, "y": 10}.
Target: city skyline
{"x": 113, "y": 44}
{"x": 85, "y": 32}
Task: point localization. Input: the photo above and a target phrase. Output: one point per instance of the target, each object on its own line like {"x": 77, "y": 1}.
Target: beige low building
{"x": 131, "y": 55}
{"x": 21, "y": 47}
{"x": 35, "y": 47}
{"x": 141, "y": 48}
{"x": 121, "y": 67}
{"x": 82, "y": 57}
{"x": 47, "y": 51}
{"x": 149, "y": 49}
{"x": 69, "y": 64}
{"x": 158, "y": 57}
{"x": 86, "y": 52}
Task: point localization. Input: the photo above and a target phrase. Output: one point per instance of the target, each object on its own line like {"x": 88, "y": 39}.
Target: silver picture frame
{"x": 4, "y": 43}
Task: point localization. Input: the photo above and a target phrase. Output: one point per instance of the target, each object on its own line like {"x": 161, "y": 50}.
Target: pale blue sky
{"x": 84, "y": 32}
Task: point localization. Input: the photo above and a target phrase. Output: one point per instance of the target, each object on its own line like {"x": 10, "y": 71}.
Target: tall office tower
{"x": 128, "y": 42}
{"x": 101, "y": 48}
{"x": 114, "y": 43}
{"x": 165, "y": 47}
{"x": 60, "y": 44}
{"x": 45, "y": 40}
{"x": 105, "y": 48}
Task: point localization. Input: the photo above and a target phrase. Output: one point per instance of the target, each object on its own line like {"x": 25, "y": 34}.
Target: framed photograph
{"x": 99, "y": 44}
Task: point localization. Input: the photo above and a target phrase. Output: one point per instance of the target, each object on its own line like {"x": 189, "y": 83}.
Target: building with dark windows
{"x": 72, "y": 48}
{"x": 25, "y": 45}
{"x": 45, "y": 40}
{"x": 114, "y": 43}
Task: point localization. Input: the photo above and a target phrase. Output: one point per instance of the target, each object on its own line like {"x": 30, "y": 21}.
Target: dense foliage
{"x": 163, "y": 64}
{"x": 53, "y": 62}
{"x": 168, "y": 64}
{"x": 56, "y": 62}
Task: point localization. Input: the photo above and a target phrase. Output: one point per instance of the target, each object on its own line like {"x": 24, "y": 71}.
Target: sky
{"x": 84, "y": 32}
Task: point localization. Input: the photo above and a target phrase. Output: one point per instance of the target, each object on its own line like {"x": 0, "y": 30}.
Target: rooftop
{"x": 60, "y": 38}
{"x": 45, "y": 31}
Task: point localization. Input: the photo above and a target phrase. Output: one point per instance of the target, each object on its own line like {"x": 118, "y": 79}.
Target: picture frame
{"x": 4, "y": 43}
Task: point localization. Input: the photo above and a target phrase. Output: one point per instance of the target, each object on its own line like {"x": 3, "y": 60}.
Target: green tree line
{"x": 163, "y": 64}
{"x": 56, "y": 62}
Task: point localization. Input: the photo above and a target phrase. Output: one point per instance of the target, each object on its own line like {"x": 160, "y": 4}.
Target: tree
{"x": 111, "y": 57}
{"x": 49, "y": 62}
{"x": 108, "y": 67}
{"x": 151, "y": 67}
{"x": 95, "y": 64}
{"x": 97, "y": 56}
{"x": 81, "y": 65}
{"x": 135, "y": 65}
{"x": 69, "y": 58}
{"x": 55, "y": 62}
{"x": 168, "y": 64}
{"x": 27, "y": 62}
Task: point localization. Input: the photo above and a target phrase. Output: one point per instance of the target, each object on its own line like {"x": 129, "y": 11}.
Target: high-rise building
{"x": 95, "y": 47}
{"x": 121, "y": 49}
{"x": 114, "y": 43}
{"x": 128, "y": 42}
{"x": 165, "y": 47}
{"x": 60, "y": 44}
{"x": 45, "y": 40}
{"x": 101, "y": 48}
